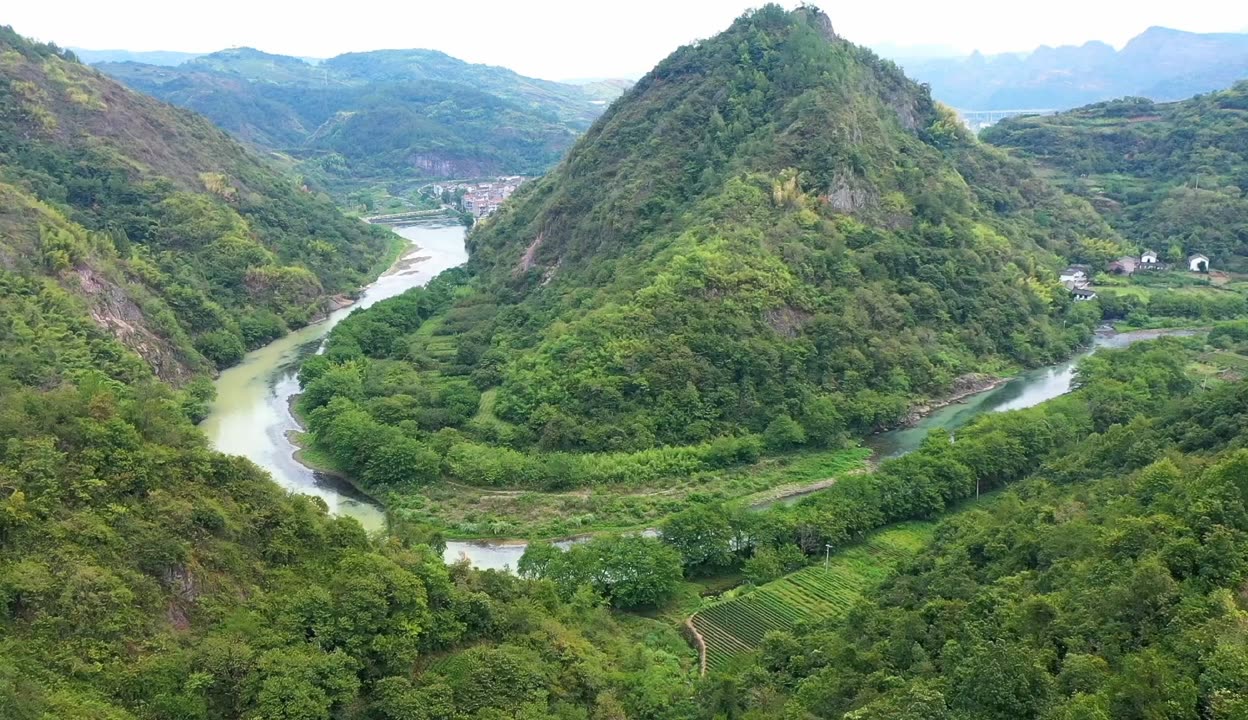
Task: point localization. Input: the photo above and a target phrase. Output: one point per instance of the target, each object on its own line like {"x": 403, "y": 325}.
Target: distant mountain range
{"x": 1160, "y": 64}
{"x": 381, "y": 114}
{"x": 152, "y": 57}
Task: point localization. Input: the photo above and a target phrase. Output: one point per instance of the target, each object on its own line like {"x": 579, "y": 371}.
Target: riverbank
{"x": 251, "y": 415}
{"x": 469, "y": 513}
{"x": 963, "y": 387}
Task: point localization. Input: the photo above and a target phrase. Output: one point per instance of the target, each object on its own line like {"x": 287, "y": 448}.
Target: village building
{"x": 485, "y": 198}
{"x": 1198, "y": 263}
{"x": 1148, "y": 258}
{"x": 1082, "y": 294}
{"x": 1075, "y": 276}
{"x": 1124, "y": 265}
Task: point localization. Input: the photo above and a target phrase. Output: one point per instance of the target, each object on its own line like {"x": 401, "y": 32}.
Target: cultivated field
{"x": 737, "y": 626}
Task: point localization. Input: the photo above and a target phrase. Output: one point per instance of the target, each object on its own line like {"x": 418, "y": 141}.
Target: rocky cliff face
{"x": 113, "y": 309}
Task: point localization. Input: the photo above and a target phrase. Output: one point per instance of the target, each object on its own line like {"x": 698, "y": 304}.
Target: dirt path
{"x": 698, "y": 642}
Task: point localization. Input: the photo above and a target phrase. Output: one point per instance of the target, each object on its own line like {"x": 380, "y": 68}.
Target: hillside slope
{"x": 774, "y": 234}
{"x": 1169, "y": 176}
{"x": 387, "y": 113}
{"x": 144, "y": 576}
{"x": 173, "y": 235}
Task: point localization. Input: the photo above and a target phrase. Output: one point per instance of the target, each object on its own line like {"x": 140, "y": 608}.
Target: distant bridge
{"x": 980, "y": 119}
{"x": 401, "y": 218}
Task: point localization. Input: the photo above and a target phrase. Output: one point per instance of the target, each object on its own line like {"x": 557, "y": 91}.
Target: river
{"x": 1024, "y": 390}
{"x": 251, "y": 415}
{"x": 1021, "y": 391}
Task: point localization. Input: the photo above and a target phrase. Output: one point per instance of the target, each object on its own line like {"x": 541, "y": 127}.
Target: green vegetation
{"x": 188, "y": 246}
{"x": 367, "y": 125}
{"x": 1169, "y": 299}
{"x": 1170, "y": 177}
{"x": 812, "y": 595}
{"x": 629, "y": 570}
{"x": 711, "y": 312}
{"x": 1103, "y": 584}
{"x": 144, "y": 576}
{"x": 682, "y": 297}
{"x": 470, "y": 512}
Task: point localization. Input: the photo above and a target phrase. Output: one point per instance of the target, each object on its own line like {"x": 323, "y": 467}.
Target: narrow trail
{"x": 698, "y": 642}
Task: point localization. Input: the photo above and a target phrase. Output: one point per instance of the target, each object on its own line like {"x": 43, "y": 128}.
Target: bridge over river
{"x": 979, "y": 119}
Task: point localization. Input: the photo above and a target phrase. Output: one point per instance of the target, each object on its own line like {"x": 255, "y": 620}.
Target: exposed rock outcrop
{"x": 114, "y": 310}
{"x": 848, "y": 194}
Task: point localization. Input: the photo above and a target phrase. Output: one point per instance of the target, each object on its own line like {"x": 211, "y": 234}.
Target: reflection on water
{"x": 251, "y": 415}
{"x": 1022, "y": 391}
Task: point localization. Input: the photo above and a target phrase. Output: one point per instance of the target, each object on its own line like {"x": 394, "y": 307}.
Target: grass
{"x": 310, "y": 456}
{"x": 394, "y": 250}
{"x": 471, "y": 513}
{"x": 736, "y": 627}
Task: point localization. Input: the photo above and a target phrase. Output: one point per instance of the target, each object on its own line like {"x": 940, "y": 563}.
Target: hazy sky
{"x": 566, "y": 38}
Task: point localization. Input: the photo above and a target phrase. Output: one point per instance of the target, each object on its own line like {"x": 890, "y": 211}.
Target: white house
{"x": 1198, "y": 263}
{"x": 1149, "y": 257}
{"x": 1082, "y": 294}
{"x": 1074, "y": 277}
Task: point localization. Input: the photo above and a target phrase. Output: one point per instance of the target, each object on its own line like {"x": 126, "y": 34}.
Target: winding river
{"x": 251, "y": 415}
{"x": 1021, "y": 391}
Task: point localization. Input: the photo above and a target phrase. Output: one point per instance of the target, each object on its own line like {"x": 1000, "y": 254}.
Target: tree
{"x": 916, "y": 701}
{"x": 402, "y": 462}
{"x": 703, "y": 536}
{"x": 783, "y": 433}
{"x": 629, "y": 570}
{"x": 1152, "y": 687}
{"x": 771, "y": 562}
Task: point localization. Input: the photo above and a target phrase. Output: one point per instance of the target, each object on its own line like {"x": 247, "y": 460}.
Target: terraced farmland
{"x": 737, "y": 626}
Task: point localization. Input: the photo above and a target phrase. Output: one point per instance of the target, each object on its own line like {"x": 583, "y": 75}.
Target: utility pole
{"x": 827, "y": 556}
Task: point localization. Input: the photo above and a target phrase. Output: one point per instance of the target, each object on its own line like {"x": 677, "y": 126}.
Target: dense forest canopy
{"x": 1169, "y": 176}
{"x": 774, "y": 240}
{"x": 176, "y": 237}
{"x": 144, "y": 576}
{"x": 1105, "y": 583}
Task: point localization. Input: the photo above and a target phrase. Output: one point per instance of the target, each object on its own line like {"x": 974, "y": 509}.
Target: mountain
{"x": 906, "y": 53}
{"x": 379, "y": 115}
{"x": 151, "y": 57}
{"x": 176, "y": 238}
{"x": 1160, "y": 63}
{"x": 773, "y": 240}
{"x": 1168, "y": 176}
{"x": 143, "y": 575}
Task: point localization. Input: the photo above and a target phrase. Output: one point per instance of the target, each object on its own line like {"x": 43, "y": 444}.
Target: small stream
{"x": 251, "y": 415}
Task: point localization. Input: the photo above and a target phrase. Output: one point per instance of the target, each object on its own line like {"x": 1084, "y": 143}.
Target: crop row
{"x": 811, "y": 594}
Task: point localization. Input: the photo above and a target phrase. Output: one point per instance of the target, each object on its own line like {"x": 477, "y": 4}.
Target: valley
{"x": 398, "y": 387}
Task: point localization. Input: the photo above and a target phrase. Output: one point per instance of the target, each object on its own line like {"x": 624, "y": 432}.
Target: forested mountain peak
{"x": 773, "y": 234}
{"x": 257, "y": 65}
{"x": 783, "y": 95}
